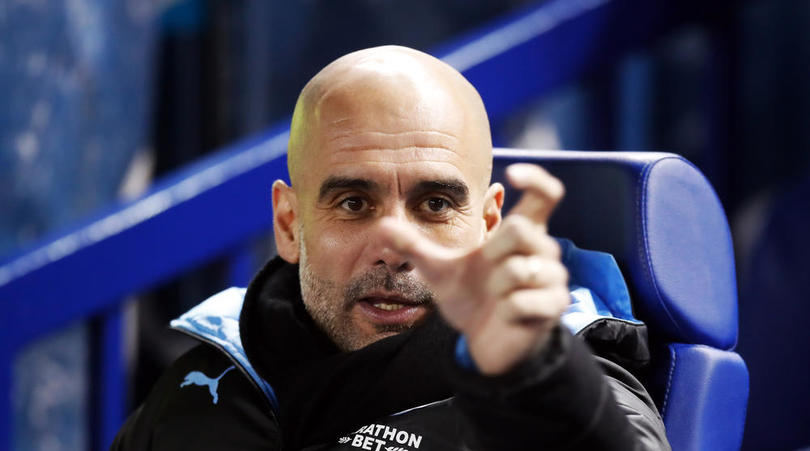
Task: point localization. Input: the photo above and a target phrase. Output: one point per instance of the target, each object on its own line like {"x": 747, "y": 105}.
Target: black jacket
{"x": 405, "y": 392}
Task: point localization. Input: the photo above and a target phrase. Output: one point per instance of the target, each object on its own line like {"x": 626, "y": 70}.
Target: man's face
{"x": 373, "y": 155}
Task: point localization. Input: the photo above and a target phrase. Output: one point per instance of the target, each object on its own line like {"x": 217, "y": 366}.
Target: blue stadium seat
{"x": 662, "y": 221}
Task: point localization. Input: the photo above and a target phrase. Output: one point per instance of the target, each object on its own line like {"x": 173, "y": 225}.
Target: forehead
{"x": 400, "y": 125}
{"x": 402, "y": 167}
{"x": 404, "y": 157}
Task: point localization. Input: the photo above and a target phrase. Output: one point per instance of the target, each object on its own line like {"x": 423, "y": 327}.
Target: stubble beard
{"x": 331, "y": 305}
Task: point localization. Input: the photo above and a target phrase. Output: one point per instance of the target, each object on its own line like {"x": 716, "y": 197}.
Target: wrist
{"x": 500, "y": 351}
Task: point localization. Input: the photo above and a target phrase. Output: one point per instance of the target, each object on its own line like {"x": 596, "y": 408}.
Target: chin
{"x": 360, "y": 342}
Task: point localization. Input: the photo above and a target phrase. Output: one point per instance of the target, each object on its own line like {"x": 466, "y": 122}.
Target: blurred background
{"x": 99, "y": 100}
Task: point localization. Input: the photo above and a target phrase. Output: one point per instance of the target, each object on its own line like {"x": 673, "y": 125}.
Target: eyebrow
{"x": 336, "y": 183}
{"x": 453, "y": 187}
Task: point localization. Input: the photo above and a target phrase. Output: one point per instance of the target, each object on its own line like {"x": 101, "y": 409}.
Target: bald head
{"x": 383, "y": 134}
{"x": 410, "y": 98}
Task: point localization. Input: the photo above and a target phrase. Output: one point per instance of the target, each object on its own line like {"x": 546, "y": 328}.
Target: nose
{"x": 382, "y": 255}
{"x": 393, "y": 261}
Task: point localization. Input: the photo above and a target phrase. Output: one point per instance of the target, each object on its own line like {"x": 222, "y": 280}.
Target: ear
{"x": 493, "y": 202}
{"x": 285, "y": 221}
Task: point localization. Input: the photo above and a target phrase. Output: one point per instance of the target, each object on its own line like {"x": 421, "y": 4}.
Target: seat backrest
{"x": 662, "y": 221}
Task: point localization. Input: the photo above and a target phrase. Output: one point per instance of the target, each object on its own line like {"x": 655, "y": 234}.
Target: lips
{"x": 391, "y": 309}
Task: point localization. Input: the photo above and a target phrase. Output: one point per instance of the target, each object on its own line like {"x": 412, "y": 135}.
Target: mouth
{"x": 388, "y": 307}
{"x": 392, "y": 309}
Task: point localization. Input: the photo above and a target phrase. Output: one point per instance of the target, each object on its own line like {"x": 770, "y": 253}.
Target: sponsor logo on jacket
{"x": 379, "y": 437}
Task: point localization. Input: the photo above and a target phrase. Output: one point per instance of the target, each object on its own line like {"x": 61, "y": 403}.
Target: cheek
{"x": 467, "y": 237}
{"x": 464, "y": 231}
{"x": 332, "y": 251}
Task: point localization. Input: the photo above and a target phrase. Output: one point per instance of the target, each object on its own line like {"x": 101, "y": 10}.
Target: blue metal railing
{"x": 210, "y": 207}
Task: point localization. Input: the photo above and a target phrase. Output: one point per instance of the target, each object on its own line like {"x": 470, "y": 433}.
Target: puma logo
{"x": 198, "y": 378}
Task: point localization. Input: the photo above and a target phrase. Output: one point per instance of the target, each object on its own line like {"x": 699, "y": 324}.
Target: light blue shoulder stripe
{"x": 216, "y": 320}
{"x": 597, "y": 287}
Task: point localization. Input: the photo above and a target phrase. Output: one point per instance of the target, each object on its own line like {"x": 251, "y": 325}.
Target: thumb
{"x": 431, "y": 258}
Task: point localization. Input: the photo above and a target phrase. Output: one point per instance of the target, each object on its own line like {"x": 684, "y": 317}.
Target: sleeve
{"x": 202, "y": 402}
{"x": 561, "y": 399}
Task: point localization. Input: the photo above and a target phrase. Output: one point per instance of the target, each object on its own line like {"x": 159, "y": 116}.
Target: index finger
{"x": 432, "y": 258}
{"x": 541, "y": 191}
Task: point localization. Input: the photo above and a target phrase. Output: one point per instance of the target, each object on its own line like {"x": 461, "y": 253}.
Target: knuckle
{"x": 524, "y": 305}
{"x": 525, "y": 233}
{"x": 513, "y": 264}
{"x": 513, "y": 223}
{"x": 513, "y": 269}
{"x": 559, "y": 273}
{"x": 561, "y": 295}
{"x": 507, "y": 224}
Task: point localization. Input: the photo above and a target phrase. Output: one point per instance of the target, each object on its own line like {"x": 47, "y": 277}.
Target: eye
{"x": 353, "y": 204}
{"x": 437, "y": 204}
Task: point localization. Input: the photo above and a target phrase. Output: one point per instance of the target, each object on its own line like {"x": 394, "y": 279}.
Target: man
{"x": 390, "y": 216}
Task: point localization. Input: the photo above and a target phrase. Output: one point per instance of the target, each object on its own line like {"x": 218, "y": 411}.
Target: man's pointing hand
{"x": 509, "y": 292}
